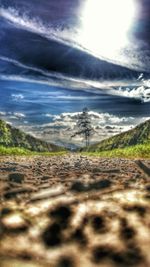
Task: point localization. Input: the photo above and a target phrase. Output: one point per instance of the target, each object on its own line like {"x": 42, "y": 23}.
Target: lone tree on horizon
{"x": 84, "y": 126}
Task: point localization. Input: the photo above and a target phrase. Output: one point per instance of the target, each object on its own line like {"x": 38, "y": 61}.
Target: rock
{"x": 45, "y": 178}
{"x": 8, "y": 169}
{"x": 98, "y": 223}
{"x": 5, "y": 211}
{"x": 52, "y": 235}
{"x": 14, "y": 222}
{"x": 100, "y": 185}
{"x": 96, "y": 170}
{"x": 144, "y": 168}
{"x": 16, "y": 177}
{"x": 101, "y": 253}
{"x": 62, "y": 214}
{"x": 141, "y": 210}
{"x": 78, "y": 187}
{"x": 65, "y": 261}
{"x": 79, "y": 236}
{"x": 147, "y": 187}
{"x": 47, "y": 193}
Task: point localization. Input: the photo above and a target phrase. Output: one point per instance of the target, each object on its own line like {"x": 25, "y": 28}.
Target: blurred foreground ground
{"x": 72, "y": 211}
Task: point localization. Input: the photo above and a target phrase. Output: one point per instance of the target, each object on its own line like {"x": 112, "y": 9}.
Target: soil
{"x": 74, "y": 211}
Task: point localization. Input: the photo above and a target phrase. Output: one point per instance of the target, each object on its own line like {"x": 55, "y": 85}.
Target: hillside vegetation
{"x": 138, "y": 135}
{"x": 12, "y": 138}
{"x": 137, "y": 151}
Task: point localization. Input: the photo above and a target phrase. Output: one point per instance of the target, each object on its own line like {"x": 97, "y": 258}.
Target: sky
{"x": 57, "y": 57}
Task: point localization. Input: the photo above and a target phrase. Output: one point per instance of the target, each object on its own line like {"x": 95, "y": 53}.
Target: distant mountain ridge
{"x": 139, "y": 135}
{"x": 13, "y": 137}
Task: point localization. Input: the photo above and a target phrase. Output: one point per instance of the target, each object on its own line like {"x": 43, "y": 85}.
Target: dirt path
{"x": 74, "y": 211}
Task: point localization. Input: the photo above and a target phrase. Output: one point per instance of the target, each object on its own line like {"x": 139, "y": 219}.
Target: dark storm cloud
{"x": 65, "y": 13}
{"x": 61, "y": 16}
{"x": 32, "y": 49}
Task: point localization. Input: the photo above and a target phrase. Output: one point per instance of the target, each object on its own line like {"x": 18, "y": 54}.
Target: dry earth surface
{"x": 74, "y": 211}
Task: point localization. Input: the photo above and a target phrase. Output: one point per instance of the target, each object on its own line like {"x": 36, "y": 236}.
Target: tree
{"x": 84, "y": 126}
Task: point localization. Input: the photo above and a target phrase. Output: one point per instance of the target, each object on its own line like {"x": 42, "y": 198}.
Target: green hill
{"x": 14, "y": 138}
{"x": 139, "y": 135}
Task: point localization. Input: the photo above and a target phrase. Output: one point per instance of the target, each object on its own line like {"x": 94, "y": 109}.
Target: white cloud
{"x": 2, "y": 113}
{"x": 17, "y": 97}
{"x": 28, "y": 79}
{"x": 51, "y": 79}
{"x": 48, "y": 115}
{"x": 140, "y": 93}
{"x": 96, "y": 118}
{"x": 140, "y": 76}
{"x": 19, "y": 115}
{"x": 12, "y": 115}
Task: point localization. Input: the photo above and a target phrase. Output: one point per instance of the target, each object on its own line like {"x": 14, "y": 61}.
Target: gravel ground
{"x": 74, "y": 211}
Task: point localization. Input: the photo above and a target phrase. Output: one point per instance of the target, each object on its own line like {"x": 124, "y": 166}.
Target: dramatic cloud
{"x": 132, "y": 56}
{"x": 63, "y": 126}
{"x": 141, "y": 93}
{"x": 12, "y": 116}
{"x": 48, "y": 73}
{"x": 35, "y": 25}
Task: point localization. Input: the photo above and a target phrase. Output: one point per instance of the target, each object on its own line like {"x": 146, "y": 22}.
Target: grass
{"x": 137, "y": 151}
{"x": 16, "y": 151}
{"x": 13, "y": 137}
{"x": 139, "y": 135}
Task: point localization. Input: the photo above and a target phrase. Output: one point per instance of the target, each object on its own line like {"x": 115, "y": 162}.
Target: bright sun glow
{"x": 105, "y": 25}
